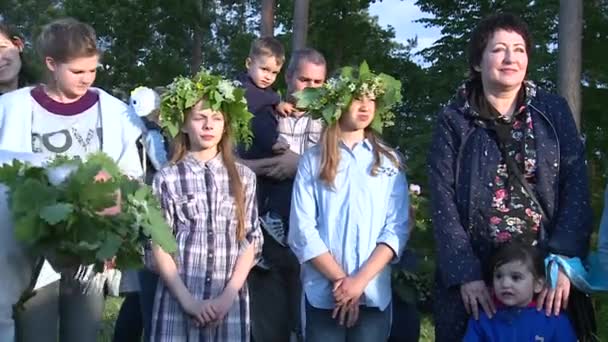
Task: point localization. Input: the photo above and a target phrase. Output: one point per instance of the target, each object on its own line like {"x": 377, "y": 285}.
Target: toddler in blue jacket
{"x": 517, "y": 277}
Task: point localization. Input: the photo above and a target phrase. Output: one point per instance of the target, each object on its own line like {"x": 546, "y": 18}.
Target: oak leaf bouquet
{"x": 76, "y": 212}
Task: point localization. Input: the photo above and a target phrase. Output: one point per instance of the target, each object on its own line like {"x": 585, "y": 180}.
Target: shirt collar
{"x": 365, "y": 143}
{"x": 214, "y": 164}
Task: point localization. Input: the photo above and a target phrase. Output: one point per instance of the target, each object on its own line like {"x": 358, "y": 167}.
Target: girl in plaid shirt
{"x": 209, "y": 200}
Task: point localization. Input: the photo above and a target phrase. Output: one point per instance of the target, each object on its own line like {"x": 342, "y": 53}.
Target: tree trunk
{"x": 570, "y": 37}
{"x": 300, "y": 24}
{"x": 267, "y": 29}
{"x": 196, "y": 59}
{"x": 197, "y": 49}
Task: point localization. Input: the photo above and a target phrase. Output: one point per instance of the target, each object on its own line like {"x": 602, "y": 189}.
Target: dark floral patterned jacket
{"x": 463, "y": 164}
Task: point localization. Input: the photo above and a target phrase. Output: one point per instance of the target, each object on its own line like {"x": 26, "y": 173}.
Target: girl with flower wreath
{"x": 209, "y": 200}
{"x": 67, "y": 116}
{"x": 349, "y": 212}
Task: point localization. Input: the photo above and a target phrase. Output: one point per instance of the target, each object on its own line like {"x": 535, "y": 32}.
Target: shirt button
{"x": 208, "y": 280}
{"x": 210, "y": 256}
{"x": 555, "y": 165}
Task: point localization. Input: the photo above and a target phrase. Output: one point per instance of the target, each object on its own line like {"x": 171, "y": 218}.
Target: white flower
{"x": 415, "y": 189}
{"x": 352, "y": 87}
{"x": 226, "y": 88}
{"x": 59, "y": 174}
{"x": 332, "y": 83}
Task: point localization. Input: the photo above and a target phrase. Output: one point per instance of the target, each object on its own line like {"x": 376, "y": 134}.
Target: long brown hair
{"x": 180, "y": 147}
{"x": 330, "y": 153}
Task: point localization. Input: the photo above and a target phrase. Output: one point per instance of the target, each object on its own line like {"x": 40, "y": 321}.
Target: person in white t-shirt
{"x": 67, "y": 116}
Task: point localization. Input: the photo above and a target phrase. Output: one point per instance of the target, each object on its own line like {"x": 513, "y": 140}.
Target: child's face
{"x": 515, "y": 285}
{"x": 204, "y": 128}
{"x": 75, "y": 77}
{"x": 359, "y": 115}
{"x": 263, "y": 70}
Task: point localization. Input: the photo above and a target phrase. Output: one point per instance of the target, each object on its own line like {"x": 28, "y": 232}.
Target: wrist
{"x": 337, "y": 277}
{"x": 230, "y": 293}
{"x": 185, "y": 299}
{"x": 362, "y": 276}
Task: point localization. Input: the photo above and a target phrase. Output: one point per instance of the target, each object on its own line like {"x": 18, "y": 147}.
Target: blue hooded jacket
{"x": 520, "y": 325}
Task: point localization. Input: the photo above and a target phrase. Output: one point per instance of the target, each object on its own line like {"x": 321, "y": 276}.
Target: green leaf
{"x": 173, "y": 129}
{"x": 130, "y": 186}
{"x": 364, "y": 69}
{"x": 109, "y": 247}
{"x": 329, "y": 113}
{"x": 28, "y": 228}
{"x": 55, "y": 213}
{"x": 9, "y": 173}
{"x": 22, "y": 200}
{"x": 376, "y": 124}
{"x": 160, "y": 232}
{"x": 102, "y": 161}
{"x": 86, "y": 245}
{"x": 306, "y": 97}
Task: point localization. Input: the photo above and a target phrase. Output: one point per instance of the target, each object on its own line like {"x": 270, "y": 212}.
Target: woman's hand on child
{"x": 553, "y": 300}
{"x": 476, "y": 293}
{"x": 284, "y": 108}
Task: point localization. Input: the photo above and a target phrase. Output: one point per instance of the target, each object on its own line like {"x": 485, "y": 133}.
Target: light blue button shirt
{"x": 349, "y": 222}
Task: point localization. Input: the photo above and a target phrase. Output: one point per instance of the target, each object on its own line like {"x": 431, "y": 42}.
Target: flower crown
{"x": 218, "y": 93}
{"x": 333, "y": 98}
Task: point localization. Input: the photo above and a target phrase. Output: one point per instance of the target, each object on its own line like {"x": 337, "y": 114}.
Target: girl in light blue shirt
{"x": 349, "y": 212}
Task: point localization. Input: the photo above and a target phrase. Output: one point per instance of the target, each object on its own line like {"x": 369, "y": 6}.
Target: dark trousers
{"x": 406, "y": 321}
{"x": 129, "y": 323}
{"x": 147, "y": 291}
{"x": 275, "y": 295}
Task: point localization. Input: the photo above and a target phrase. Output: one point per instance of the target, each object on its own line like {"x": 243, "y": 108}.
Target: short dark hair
{"x": 306, "y": 54}
{"x": 66, "y": 39}
{"x": 517, "y": 251}
{"x": 267, "y": 47}
{"x": 486, "y": 29}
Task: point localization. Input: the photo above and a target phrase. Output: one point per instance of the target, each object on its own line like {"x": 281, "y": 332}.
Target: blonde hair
{"x": 180, "y": 147}
{"x": 330, "y": 153}
{"x": 267, "y": 47}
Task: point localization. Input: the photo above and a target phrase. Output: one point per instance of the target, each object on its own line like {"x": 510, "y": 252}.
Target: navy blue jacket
{"x": 260, "y": 103}
{"x": 519, "y": 325}
{"x": 272, "y": 194}
{"x": 463, "y": 163}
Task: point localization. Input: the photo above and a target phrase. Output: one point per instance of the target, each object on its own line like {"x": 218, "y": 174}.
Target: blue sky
{"x": 400, "y": 14}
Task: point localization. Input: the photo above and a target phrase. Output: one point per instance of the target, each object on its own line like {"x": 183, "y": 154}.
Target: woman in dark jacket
{"x": 497, "y": 123}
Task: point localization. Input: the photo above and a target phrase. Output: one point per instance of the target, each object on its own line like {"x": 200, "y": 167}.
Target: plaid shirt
{"x": 300, "y": 133}
{"x": 197, "y": 204}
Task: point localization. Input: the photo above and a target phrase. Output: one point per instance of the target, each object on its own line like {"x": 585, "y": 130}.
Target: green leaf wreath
{"x": 86, "y": 212}
{"x": 333, "y": 98}
{"x": 219, "y": 94}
